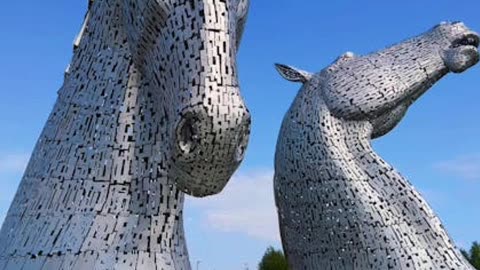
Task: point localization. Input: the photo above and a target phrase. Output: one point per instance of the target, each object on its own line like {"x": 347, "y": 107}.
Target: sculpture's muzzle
{"x": 463, "y": 52}
{"x": 208, "y": 149}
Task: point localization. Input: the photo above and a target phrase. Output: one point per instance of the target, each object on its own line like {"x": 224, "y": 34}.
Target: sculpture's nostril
{"x": 187, "y": 134}
{"x": 242, "y": 141}
{"x": 241, "y": 147}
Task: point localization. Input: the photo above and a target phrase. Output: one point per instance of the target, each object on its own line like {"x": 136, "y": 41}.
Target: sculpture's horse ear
{"x": 293, "y": 74}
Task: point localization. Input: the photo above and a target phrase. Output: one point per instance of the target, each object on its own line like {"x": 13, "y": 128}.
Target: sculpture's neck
{"x": 368, "y": 163}
{"x": 328, "y": 164}
{"x": 120, "y": 133}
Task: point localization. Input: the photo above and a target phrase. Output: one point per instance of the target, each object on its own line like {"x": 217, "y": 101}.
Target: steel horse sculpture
{"x": 150, "y": 109}
{"x": 340, "y": 205}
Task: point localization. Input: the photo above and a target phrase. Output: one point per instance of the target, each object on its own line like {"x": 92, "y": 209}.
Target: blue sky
{"x": 436, "y": 146}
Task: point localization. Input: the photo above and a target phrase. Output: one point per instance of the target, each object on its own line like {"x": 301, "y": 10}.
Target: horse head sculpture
{"x": 150, "y": 109}
{"x": 340, "y": 205}
{"x": 187, "y": 51}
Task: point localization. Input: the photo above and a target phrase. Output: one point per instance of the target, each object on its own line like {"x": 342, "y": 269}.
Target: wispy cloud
{"x": 467, "y": 167}
{"x": 246, "y": 206}
{"x": 13, "y": 163}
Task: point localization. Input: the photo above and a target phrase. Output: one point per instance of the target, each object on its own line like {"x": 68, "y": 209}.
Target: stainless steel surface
{"x": 340, "y": 205}
{"x": 150, "y": 109}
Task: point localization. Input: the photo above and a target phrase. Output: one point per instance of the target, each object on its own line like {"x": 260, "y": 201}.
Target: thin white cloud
{"x": 467, "y": 167}
{"x": 13, "y": 163}
{"x": 245, "y": 206}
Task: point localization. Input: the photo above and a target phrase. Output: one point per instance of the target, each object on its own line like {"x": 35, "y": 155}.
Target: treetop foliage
{"x": 474, "y": 255}
{"x": 273, "y": 260}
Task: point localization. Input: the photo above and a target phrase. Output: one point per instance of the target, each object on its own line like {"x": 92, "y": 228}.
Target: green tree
{"x": 474, "y": 255}
{"x": 273, "y": 260}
